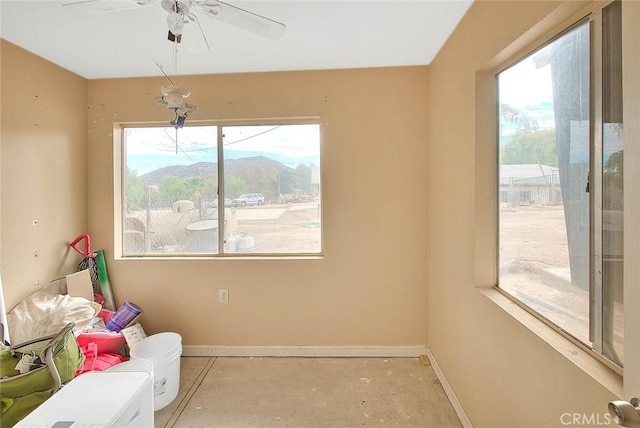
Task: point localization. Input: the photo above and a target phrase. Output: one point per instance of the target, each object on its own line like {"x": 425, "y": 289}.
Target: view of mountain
{"x": 144, "y": 163}
{"x": 239, "y": 167}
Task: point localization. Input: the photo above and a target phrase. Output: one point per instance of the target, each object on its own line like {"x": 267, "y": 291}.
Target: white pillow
{"x": 44, "y": 313}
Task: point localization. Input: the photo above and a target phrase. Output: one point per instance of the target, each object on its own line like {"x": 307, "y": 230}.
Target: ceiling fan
{"x": 181, "y": 12}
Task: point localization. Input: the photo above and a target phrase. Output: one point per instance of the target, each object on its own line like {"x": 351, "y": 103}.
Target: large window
{"x": 560, "y": 183}
{"x": 221, "y": 190}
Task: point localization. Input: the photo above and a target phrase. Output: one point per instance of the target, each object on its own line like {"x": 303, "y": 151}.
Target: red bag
{"x": 107, "y": 342}
{"x": 98, "y": 362}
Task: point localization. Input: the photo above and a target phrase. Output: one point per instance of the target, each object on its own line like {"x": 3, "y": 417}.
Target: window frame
{"x": 119, "y": 171}
{"x": 622, "y": 383}
{"x": 593, "y": 18}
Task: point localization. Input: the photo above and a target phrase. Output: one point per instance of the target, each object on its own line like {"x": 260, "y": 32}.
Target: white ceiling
{"x": 320, "y": 34}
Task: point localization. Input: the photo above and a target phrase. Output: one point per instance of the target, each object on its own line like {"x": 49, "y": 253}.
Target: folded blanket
{"x": 44, "y": 313}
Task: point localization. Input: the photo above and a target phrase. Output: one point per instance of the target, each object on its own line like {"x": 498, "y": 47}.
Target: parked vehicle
{"x": 248, "y": 199}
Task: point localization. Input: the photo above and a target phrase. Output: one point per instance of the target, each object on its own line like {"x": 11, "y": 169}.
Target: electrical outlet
{"x": 223, "y": 295}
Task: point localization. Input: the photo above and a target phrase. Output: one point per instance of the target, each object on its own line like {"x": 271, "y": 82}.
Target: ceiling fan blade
{"x": 241, "y": 18}
{"x": 100, "y": 7}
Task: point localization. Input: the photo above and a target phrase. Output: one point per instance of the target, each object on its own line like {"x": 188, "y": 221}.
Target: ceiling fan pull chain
{"x": 175, "y": 58}
{"x": 176, "y": 135}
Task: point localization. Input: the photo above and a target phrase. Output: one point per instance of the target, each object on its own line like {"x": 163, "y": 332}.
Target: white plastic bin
{"x": 107, "y": 399}
{"x": 163, "y": 350}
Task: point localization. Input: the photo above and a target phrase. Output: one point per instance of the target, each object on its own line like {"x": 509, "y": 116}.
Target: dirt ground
{"x": 535, "y": 233}
{"x": 535, "y": 270}
{"x": 534, "y": 266}
{"x": 296, "y": 231}
{"x": 268, "y": 229}
{"x": 528, "y": 233}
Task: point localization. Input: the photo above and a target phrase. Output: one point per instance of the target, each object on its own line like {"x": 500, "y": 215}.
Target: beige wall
{"x": 504, "y": 375}
{"x": 386, "y": 234}
{"x": 1, "y": 44}
{"x": 44, "y": 170}
{"x": 370, "y": 288}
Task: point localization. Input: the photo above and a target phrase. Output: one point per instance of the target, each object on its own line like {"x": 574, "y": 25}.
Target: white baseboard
{"x": 304, "y": 351}
{"x": 455, "y": 403}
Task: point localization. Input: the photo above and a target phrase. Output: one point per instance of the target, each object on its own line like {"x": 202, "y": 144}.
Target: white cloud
{"x": 524, "y": 85}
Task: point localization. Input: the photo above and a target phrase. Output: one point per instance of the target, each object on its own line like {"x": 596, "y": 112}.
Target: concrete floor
{"x": 307, "y": 393}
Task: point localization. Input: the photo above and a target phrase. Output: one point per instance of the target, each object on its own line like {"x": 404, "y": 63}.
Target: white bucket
{"x": 245, "y": 243}
{"x": 163, "y": 350}
{"x": 133, "y": 366}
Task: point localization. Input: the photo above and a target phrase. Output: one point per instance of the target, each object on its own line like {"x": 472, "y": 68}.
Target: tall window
{"x": 221, "y": 190}
{"x": 560, "y": 183}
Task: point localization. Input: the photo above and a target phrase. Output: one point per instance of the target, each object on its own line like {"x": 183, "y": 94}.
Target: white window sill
{"x": 587, "y": 362}
{"x": 180, "y": 257}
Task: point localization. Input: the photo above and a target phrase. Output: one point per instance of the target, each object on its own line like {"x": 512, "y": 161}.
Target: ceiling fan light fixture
{"x": 173, "y": 98}
{"x": 184, "y": 92}
{"x": 175, "y": 23}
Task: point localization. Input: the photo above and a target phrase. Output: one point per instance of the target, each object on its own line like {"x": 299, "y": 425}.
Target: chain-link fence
{"x": 191, "y": 227}
{"x": 167, "y": 226}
